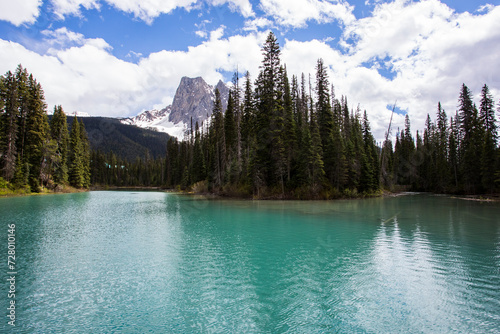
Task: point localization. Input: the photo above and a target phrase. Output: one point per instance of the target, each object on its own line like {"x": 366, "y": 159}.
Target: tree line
{"x": 280, "y": 138}
{"x": 33, "y": 153}
{"x": 459, "y": 155}
{"x": 277, "y": 138}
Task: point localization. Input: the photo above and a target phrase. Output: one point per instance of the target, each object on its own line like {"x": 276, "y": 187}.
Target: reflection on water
{"x": 156, "y": 262}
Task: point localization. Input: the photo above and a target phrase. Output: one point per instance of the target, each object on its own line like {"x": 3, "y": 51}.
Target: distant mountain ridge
{"x": 193, "y": 100}
{"x": 126, "y": 141}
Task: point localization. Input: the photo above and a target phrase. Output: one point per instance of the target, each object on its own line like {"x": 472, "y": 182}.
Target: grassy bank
{"x": 9, "y": 190}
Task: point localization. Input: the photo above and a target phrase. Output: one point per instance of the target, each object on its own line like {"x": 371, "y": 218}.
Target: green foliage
{"x": 59, "y": 133}
{"x": 277, "y": 142}
{"x": 33, "y": 154}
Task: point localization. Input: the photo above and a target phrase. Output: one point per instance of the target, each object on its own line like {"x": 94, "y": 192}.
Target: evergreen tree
{"x": 230, "y": 129}
{"x": 76, "y": 166}
{"x": 289, "y": 126}
{"x": 37, "y": 133}
{"x": 59, "y": 132}
{"x": 370, "y": 170}
{"x": 218, "y": 142}
{"x": 247, "y": 123}
{"x": 9, "y": 126}
{"x": 442, "y": 153}
{"x": 247, "y": 128}
{"x": 316, "y": 165}
{"x": 329, "y": 129}
{"x": 470, "y": 142}
{"x": 85, "y": 158}
{"x": 199, "y": 168}
{"x": 453, "y": 145}
{"x": 489, "y": 147}
{"x": 268, "y": 158}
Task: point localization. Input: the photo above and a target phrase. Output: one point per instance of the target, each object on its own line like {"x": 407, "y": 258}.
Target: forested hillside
{"x": 125, "y": 141}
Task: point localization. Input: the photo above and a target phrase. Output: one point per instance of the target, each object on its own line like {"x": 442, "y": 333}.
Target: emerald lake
{"x": 154, "y": 262}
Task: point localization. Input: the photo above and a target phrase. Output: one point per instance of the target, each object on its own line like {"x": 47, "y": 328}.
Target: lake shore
{"x": 6, "y": 192}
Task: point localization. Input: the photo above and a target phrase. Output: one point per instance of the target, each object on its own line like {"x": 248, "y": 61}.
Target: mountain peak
{"x": 193, "y": 100}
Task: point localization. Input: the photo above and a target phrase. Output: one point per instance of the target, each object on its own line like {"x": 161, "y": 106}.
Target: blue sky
{"x": 120, "y": 57}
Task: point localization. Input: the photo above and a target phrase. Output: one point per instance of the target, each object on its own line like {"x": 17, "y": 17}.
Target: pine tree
{"x": 489, "y": 147}
{"x": 247, "y": 129}
{"x": 59, "y": 132}
{"x": 453, "y": 148}
{"x": 230, "y": 129}
{"x": 199, "y": 168}
{"x": 470, "y": 142}
{"x": 85, "y": 149}
{"x": 316, "y": 164}
{"x": 327, "y": 127}
{"x": 218, "y": 141}
{"x": 247, "y": 123}
{"x": 76, "y": 166}
{"x": 442, "y": 168}
{"x": 37, "y": 133}
{"x": 371, "y": 171}
{"x": 289, "y": 126}
{"x": 9, "y": 126}
{"x": 268, "y": 158}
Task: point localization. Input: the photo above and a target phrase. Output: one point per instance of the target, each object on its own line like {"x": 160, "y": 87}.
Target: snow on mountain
{"x": 193, "y": 100}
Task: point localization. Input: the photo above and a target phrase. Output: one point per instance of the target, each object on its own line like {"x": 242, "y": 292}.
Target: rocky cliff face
{"x": 193, "y": 99}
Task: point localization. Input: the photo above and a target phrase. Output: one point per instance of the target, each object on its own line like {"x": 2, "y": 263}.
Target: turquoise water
{"x": 150, "y": 262}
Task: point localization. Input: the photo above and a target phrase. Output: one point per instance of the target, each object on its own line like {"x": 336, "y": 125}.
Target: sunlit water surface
{"x": 151, "y": 262}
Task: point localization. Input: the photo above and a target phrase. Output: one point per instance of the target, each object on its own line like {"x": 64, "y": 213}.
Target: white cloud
{"x": 257, "y": 24}
{"x": 20, "y": 11}
{"x": 88, "y": 78}
{"x": 485, "y": 8}
{"x": 63, "y": 8}
{"x": 244, "y": 7}
{"x": 146, "y": 10}
{"x": 431, "y": 49}
{"x": 296, "y": 13}
{"x": 434, "y": 51}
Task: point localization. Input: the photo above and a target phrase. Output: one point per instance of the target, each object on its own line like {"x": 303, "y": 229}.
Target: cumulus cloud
{"x": 63, "y": 8}
{"x": 20, "y": 11}
{"x": 244, "y": 7}
{"x": 257, "y": 24}
{"x": 146, "y": 10}
{"x": 431, "y": 49}
{"x": 86, "y": 77}
{"x": 296, "y": 13}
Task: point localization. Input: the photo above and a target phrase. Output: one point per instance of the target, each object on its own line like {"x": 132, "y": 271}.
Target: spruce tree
{"x": 59, "y": 132}
{"x": 470, "y": 142}
{"x": 453, "y": 149}
{"x": 289, "y": 130}
{"x": 218, "y": 142}
{"x": 489, "y": 147}
{"x": 76, "y": 165}
{"x": 85, "y": 149}
{"x": 442, "y": 168}
{"x": 37, "y": 133}
{"x": 316, "y": 164}
{"x": 372, "y": 168}
{"x": 268, "y": 156}
{"x": 9, "y": 126}
{"x": 230, "y": 129}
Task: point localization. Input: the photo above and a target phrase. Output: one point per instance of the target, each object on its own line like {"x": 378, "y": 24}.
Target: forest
{"x": 278, "y": 138}
{"x": 34, "y": 155}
